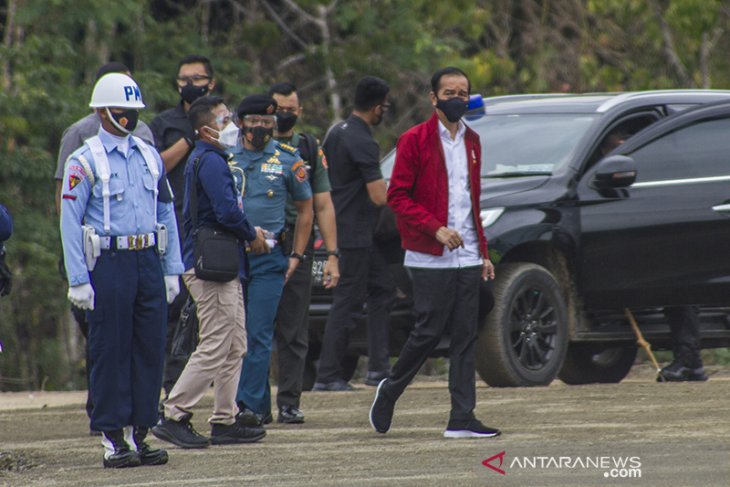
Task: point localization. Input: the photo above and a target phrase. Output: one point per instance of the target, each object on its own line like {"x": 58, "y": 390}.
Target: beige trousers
{"x": 218, "y": 357}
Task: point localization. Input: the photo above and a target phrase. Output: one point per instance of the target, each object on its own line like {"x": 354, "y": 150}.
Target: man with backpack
{"x": 292, "y": 333}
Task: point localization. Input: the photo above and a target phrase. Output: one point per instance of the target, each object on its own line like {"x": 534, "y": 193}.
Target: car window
{"x": 515, "y": 145}
{"x": 696, "y": 151}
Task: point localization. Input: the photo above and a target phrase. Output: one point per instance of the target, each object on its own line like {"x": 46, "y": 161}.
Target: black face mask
{"x": 258, "y": 136}
{"x": 285, "y": 121}
{"x": 453, "y": 108}
{"x": 125, "y": 121}
{"x": 189, "y": 93}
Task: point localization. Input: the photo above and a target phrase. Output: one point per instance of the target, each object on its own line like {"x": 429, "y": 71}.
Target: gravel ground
{"x": 637, "y": 432}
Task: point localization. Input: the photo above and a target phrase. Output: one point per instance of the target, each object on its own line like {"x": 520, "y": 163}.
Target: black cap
{"x": 257, "y": 105}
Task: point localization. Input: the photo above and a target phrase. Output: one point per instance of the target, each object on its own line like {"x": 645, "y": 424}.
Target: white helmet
{"x": 116, "y": 90}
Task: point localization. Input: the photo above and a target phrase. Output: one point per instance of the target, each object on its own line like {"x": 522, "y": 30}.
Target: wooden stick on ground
{"x": 640, "y": 339}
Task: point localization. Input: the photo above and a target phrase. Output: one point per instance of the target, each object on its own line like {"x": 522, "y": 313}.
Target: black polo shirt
{"x": 168, "y": 127}
{"x": 354, "y": 160}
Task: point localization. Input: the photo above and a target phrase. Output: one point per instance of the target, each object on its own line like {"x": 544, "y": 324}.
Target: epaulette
{"x": 287, "y": 148}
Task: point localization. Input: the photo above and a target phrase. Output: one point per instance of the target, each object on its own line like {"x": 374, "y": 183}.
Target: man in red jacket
{"x": 434, "y": 192}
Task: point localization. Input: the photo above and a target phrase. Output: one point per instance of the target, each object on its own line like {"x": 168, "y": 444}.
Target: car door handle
{"x": 722, "y": 208}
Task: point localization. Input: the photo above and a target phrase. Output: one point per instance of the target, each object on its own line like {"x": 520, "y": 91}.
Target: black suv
{"x": 579, "y": 231}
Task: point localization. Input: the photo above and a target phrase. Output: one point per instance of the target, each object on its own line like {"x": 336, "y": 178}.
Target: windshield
{"x": 523, "y": 145}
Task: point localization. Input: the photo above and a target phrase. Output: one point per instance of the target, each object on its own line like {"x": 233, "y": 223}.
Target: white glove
{"x": 172, "y": 287}
{"x": 82, "y": 296}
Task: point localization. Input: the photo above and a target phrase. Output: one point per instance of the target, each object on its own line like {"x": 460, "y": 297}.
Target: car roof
{"x": 596, "y": 102}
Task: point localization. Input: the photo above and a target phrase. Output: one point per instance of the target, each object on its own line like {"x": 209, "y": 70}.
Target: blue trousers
{"x": 263, "y": 292}
{"x": 126, "y": 339}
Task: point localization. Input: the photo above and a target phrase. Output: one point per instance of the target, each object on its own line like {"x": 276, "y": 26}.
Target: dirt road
{"x": 634, "y": 433}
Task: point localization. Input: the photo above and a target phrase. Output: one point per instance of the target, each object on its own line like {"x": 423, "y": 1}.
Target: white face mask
{"x": 228, "y": 137}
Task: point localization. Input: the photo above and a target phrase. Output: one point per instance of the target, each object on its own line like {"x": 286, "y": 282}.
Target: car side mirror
{"x": 614, "y": 172}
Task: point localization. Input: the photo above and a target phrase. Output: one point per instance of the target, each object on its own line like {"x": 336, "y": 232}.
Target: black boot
{"x": 147, "y": 454}
{"x": 122, "y": 456}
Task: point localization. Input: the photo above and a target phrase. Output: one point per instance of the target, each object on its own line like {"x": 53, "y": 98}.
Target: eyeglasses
{"x": 223, "y": 120}
{"x": 267, "y": 121}
{"x": 194, "y": 79}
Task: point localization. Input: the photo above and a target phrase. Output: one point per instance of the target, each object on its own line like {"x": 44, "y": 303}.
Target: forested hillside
{"x": 51, "y": 49}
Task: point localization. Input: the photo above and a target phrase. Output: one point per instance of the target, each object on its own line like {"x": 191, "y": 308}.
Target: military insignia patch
{"x": 69, "y": 197}
{"x": 300, "y": 171}
{"x": 287, "y": 148}
{"x": 73, "y": 180}
{"x": 324, "y": 159}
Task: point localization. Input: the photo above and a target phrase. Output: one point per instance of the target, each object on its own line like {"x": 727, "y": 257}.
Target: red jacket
{"x": 419, "y": 188}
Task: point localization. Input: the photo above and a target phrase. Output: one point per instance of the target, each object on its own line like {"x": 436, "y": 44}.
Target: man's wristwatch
{"x": 333, "y": 253}
{"x": 297, "y": 256}
{"x": 189, "y": 141}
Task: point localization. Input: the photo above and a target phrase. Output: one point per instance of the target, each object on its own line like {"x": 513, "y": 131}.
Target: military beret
{"x": 257, "y": 105}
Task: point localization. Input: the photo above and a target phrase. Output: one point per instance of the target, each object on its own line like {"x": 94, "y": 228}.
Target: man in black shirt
{"x": 174, "y": 136}
{"x": 357, "y": 188}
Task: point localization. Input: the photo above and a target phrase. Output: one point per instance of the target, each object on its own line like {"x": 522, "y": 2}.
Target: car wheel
{"x": 588, "y": 363}
{"x": 524, "y": 339}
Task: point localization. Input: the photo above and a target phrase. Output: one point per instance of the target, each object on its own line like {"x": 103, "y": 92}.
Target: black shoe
{"x": 247, "y": 417}
{"x": 471, "y": 428}
{"x": 290, "y": 415}
{"x": 224, "y": 434}
{"x": 678, "y": 372}
{"x": 147, "y": 454}
{"x": 336, "y": 386}
{"x": 180, "y": 433}
{"x": 122, "y": 456}
{"x": 374, "y": 378}
{"x": 381, "y": 412}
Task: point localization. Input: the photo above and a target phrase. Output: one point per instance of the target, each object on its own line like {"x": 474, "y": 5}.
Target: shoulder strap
{"x": 312, "y": 152}
{"x": 101, "y": 161}
{"x": 151, "y": 162}
{"x": 193, "y": 194}
{"x": 149, "y": 158}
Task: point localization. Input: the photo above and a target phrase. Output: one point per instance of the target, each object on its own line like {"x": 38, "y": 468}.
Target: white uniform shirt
{"x": 460, "y": 213}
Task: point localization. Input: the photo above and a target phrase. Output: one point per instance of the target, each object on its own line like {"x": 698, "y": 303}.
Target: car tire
{"x": 587, "y": 363}
{"x": 524, "y": 339}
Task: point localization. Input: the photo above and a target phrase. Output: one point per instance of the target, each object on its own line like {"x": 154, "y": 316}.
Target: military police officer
{"x": 122, "y": 256}
{"x": 270, "y": 171}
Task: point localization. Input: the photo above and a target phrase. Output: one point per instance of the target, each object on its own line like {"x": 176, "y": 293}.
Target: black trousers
{"x": 684, "y": 326}
{"x": 292, "y": 333}
{"x": 363, "y": 277}
{"x": 445, "y": 301}
{"x": 174, "y": 365}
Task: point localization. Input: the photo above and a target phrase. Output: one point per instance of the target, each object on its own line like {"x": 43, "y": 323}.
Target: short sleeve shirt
{"x": 168, "y": 127}
{"x": 75, "y": 135}
{"x": 268, "y": 177}
{"x": 353, "y": 158}
{"x": 318, "y": 178}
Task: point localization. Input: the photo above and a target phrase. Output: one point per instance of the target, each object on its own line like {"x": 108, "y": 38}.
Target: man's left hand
{"x": 487, "y": 270}
{"x": 331, "y": 273}
{"x": 293, "y": 263}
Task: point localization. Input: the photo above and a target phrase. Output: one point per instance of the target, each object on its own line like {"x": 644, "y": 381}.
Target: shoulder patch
{"x": 300, "y": 171}
{"x": 324, "y": 159}
{"x": 288, "y": 148}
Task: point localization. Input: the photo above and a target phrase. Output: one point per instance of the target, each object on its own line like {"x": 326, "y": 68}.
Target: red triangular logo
{"x": 488, "y": 463}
